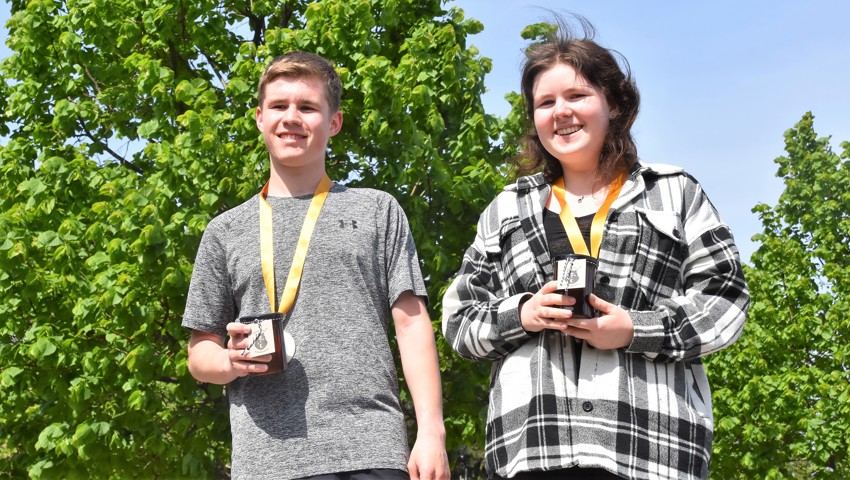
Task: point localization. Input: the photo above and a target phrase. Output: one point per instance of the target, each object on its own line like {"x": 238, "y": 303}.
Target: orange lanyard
{"x": 267, "y": 245}
{"x": 570, "y": 224}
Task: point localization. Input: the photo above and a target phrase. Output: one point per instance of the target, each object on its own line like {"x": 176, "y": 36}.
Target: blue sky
{"x": 720, "y": 81}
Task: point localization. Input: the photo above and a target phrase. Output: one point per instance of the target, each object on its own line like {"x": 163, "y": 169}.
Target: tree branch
{"x": 108, "y": 150}
{"x": 91, "y": 79}
{"x": 256, "y": 23}
{"x": 286, "y": 16}
{"x": 215, "y": 70}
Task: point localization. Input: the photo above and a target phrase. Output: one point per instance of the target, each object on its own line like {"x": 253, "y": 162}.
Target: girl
{"x": 619, "y": 392}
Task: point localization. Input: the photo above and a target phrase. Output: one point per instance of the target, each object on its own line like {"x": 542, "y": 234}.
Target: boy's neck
{"x": 294, "y": 182}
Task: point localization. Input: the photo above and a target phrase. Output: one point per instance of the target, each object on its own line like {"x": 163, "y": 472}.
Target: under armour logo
{"x": 352, "y": 223}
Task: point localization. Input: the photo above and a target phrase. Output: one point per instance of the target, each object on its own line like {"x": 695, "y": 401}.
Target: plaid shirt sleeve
{"x": 481, "y": 306}
{"x": 692, "y": 298}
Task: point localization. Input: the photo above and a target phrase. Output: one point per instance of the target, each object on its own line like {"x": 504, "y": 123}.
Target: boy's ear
{"x": 259, "y": 118}
{"x": 336, "y": 123}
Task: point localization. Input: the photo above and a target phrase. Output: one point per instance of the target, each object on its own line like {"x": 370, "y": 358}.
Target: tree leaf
{"x": 7, "y": 378}
{"x": 42, "y": 347}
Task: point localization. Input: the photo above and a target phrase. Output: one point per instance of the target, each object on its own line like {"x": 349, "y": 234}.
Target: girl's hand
{"x": 545, "y": 310}
{"x": 612, "y": 329}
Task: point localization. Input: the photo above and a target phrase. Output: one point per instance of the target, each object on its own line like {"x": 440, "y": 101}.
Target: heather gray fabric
{"x": 336, "y": 406}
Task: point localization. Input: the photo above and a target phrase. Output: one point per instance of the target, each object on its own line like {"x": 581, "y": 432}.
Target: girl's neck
{"x": 581, "y": 182}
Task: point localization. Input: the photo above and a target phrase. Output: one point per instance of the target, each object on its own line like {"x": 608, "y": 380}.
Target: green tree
{"x": 128, "y": 125}
{"x": 782, "y": 393}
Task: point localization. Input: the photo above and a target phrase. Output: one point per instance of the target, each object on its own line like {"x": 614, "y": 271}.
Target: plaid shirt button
{"x": 587, "y": 406}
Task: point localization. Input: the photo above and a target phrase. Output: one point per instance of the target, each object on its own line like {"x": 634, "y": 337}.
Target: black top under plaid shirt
{"x": 641, "y": 412}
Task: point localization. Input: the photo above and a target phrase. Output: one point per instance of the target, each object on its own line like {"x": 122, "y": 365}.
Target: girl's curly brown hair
{"x": 599, "y": 66}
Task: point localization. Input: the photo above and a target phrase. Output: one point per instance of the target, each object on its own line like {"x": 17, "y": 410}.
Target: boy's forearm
{"x": 422, "y": 373}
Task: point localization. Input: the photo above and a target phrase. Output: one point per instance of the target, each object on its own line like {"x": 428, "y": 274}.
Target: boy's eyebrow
{"x": 300, "y": 100}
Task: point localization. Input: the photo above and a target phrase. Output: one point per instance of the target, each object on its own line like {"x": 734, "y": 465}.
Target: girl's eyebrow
{"x": 567, "y": 89}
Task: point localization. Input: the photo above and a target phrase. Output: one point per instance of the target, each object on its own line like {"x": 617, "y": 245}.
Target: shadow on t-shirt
{"x": 276, "y": 402}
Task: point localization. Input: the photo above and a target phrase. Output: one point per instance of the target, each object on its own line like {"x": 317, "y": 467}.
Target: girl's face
{"x": 571, "y": 117}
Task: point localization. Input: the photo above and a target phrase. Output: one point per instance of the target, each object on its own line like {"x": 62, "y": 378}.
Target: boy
{"x": 334, "y": 412}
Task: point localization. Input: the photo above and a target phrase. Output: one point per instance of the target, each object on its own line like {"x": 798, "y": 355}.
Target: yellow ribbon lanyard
{"x": 598, "y": 224}
{"x": 267, "y": 245}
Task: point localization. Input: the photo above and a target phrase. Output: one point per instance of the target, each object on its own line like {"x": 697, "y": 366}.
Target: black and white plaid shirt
{"x": 641, "y": 412}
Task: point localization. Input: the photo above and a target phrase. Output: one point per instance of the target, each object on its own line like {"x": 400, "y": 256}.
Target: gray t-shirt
{"x": 336, "y": 407}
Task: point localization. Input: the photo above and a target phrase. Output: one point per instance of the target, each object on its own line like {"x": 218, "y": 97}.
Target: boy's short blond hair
{"x": 298, "y": 64}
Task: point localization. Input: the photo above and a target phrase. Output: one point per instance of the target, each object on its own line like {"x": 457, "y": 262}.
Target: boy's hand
{"x": 428, "y": 460}
{"x": 237, "y": 352}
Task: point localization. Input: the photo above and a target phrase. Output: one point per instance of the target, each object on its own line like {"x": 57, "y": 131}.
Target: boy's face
{"x": 296, "y": 121}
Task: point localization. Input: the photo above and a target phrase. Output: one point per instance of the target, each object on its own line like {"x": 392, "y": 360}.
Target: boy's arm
{"x": 421, "y": 368}
{"x": 212, "y": 362}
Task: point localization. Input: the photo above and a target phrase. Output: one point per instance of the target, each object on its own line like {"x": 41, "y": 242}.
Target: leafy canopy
{"x": 128, "y": 125}
{"x": 782, "y": 393}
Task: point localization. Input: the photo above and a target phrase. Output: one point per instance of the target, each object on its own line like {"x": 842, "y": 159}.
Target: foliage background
{"x": 782, "y": 392}
{"x": 128, "y": 125}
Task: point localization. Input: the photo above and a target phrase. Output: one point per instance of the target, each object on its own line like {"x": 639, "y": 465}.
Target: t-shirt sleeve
{"x": 402, "y": 262}
{"x": 210, "y": 305}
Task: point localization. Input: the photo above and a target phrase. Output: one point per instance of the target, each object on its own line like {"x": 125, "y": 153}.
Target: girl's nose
{"x": 562, "y": 110}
